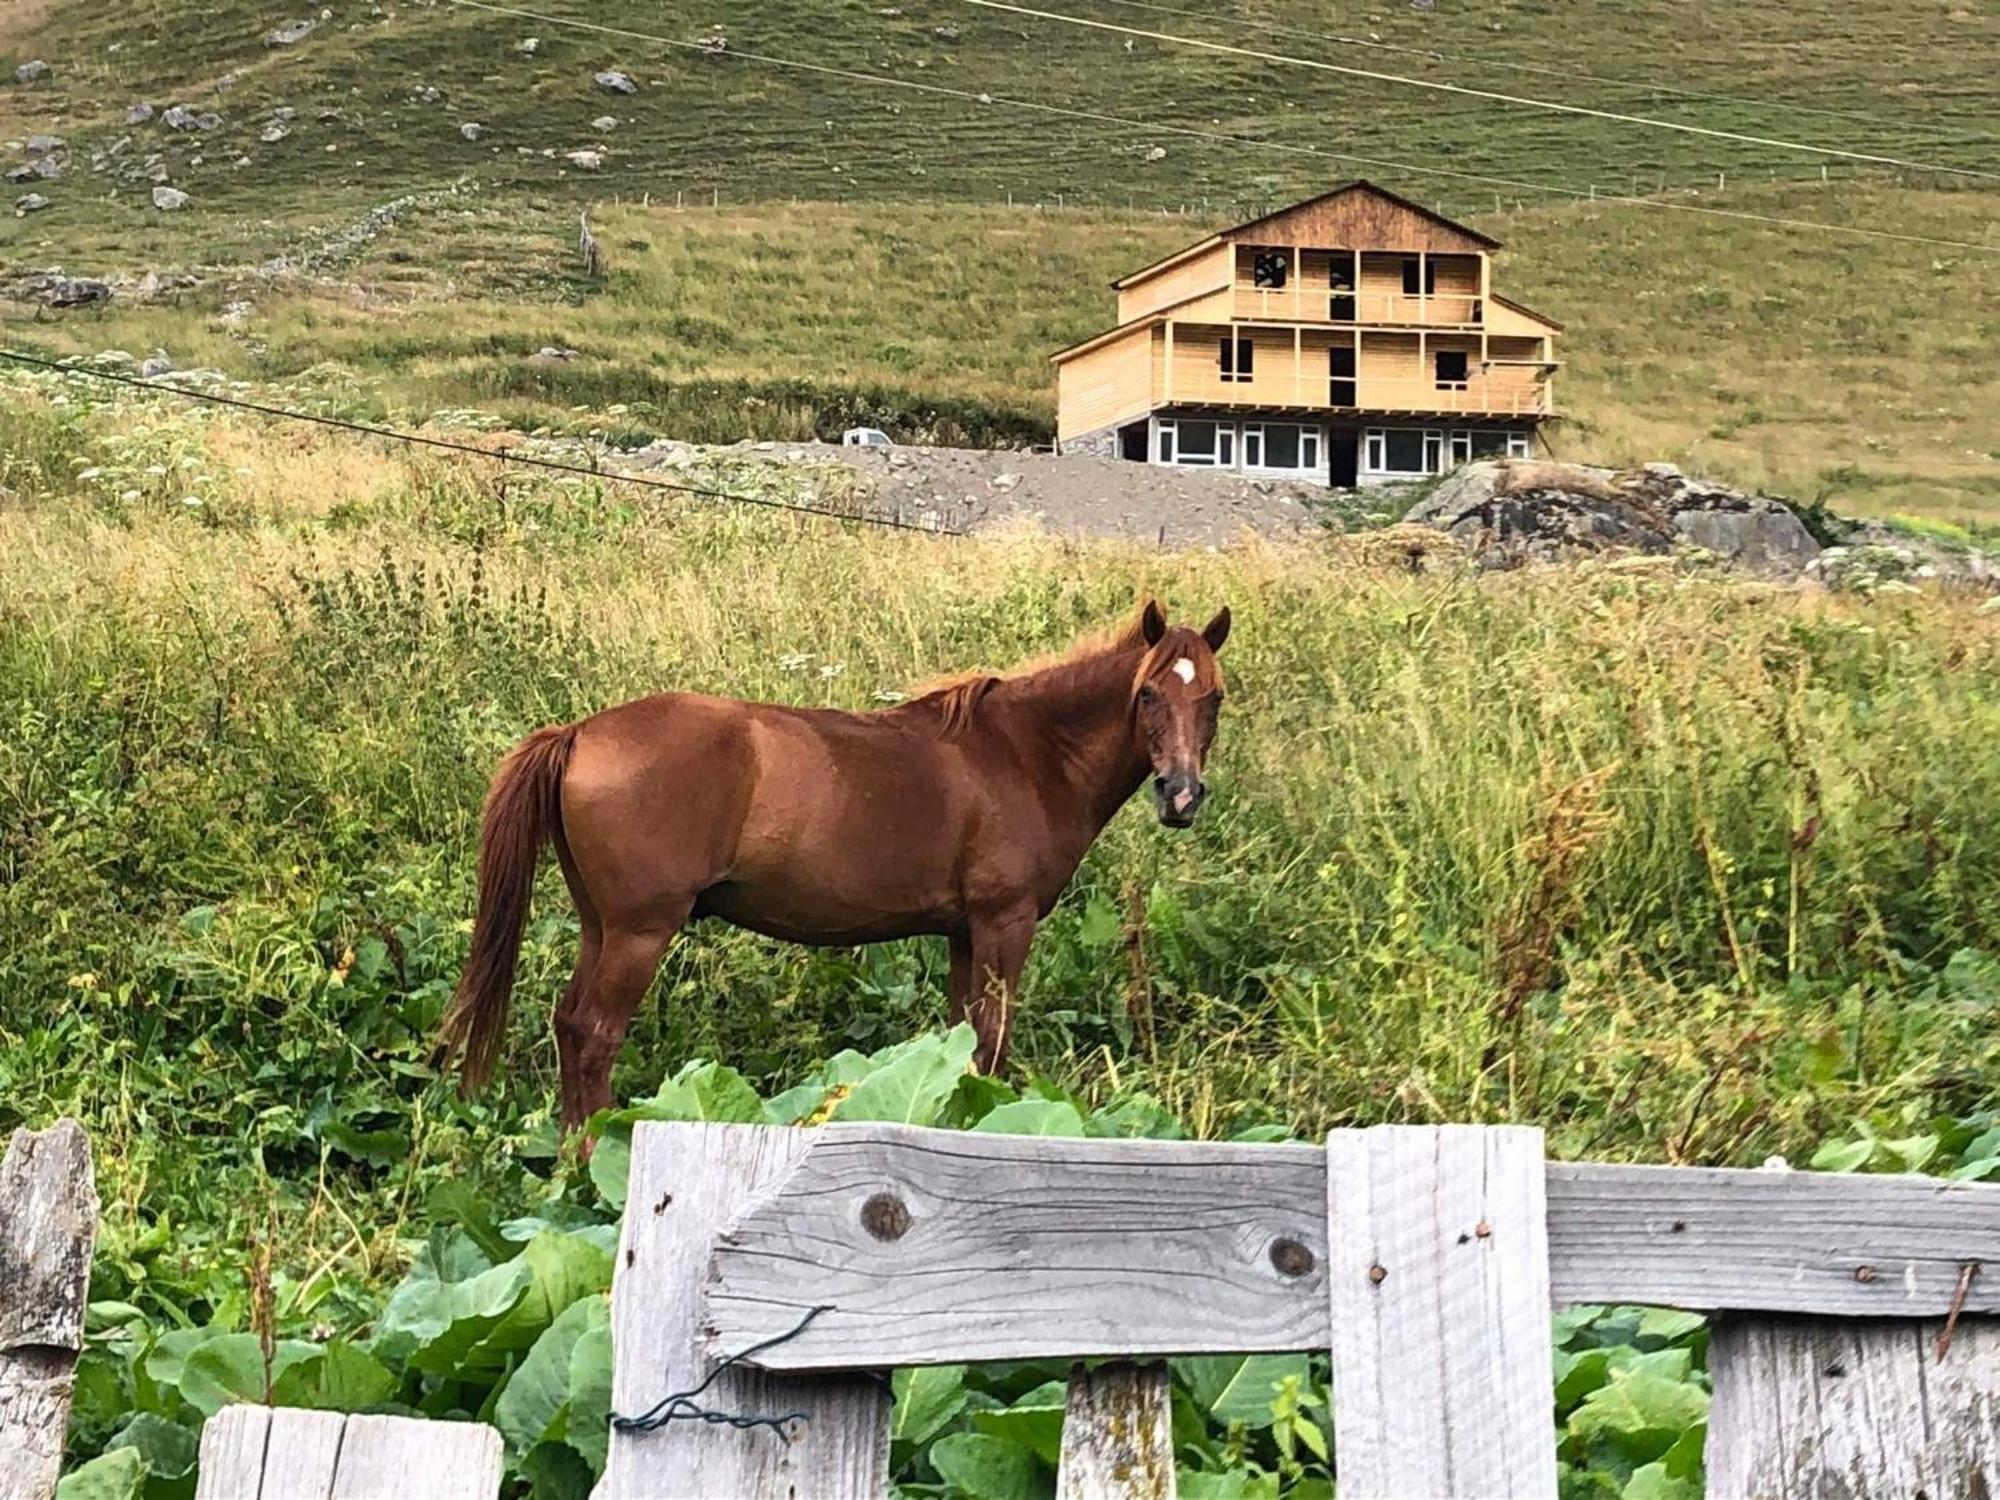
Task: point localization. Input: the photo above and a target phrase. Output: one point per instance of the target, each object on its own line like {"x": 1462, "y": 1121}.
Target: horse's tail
{"x": 523, "y": 811}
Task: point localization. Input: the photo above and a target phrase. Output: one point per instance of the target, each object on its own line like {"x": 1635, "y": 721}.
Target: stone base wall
{"x": 1101, "y": 443}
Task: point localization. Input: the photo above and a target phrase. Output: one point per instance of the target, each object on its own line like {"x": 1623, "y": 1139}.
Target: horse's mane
{"x": 956, "y": 699}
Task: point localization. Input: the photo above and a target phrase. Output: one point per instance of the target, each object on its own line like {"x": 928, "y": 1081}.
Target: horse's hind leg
{"x": 591, "y": 1029}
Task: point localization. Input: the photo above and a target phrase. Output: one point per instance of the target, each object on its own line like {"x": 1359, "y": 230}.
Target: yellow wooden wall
{"x": 1111, "y": 383}
{"x": 1208, "y": 271}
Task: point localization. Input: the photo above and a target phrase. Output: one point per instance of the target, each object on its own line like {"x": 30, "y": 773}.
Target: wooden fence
{"x": 1852, "y": 1358}
{"x": 776, "y": 1274}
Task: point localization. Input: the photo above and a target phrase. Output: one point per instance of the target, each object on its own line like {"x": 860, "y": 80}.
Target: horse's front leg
{"x": 998, "y": 950}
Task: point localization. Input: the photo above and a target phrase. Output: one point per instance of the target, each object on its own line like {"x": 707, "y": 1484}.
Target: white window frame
{"x": 1253, "y": 445}
{"x": 1166, "y": 448}
{"x": 1461, "y": 448}
{"x": 1375, "y": 450}
{"x": 1520, "y": 445}
{"x": 1433, "y": 452}
{"x": 1310, "y": 436}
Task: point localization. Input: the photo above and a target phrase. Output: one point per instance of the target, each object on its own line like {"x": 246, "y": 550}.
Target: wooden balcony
{"x": 1302, "y": 304}
{"x": 1279, "y": 384}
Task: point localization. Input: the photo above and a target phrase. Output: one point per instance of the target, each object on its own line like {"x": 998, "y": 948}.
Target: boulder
{"x": 274, "y": 132}
{"x": 589, "y": 161}
{"x": 43, "y": 145}
{"x": 31, "y": 72}
{"x": 290, "y": 34}
{"x": 156, "y": 365}
{"x": 616, "y": 82}
{"x": 605, "y": 123}
{"x": 1875, "y": 557}
{"x": 29, "y": 203}
{"x": 168, "y": 199}
{"x": 138, "y": 114}
{"x": 472, "y": 130}
{"x": 1512, "y": 511}
{"x": 180, "y": 117}
{"x": 73, "y": 291}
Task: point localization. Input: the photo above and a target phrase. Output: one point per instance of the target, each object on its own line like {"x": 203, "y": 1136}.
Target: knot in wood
{"x": 1864, "y": 1274}
{"x": 1290, "y": 1257}
{"x": 886, "y": 1217}
{"x": 1376, "y": 1273}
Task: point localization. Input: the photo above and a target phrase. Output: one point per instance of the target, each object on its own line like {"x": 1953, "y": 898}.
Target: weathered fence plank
{"x": 1821, "y": 1409}
{"x": 1031, "y": 1248}
{"x": 1438, "y": 1287}
{"x": 932, "y": 1247}
{"x": 286, "y": 1453}
{"x": 1729, "y": 1238}
{"x": 48, "y": 1225}
{"x": 688, "y": 1181}
{"x": 1118, "y": 1435}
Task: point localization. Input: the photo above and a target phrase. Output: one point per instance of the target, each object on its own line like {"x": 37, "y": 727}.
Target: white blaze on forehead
{"x": 1184, "y": 669}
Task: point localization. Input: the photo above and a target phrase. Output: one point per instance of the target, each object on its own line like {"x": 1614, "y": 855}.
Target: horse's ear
{"x": 1216, "y": 631}
{"x": 1152, "y": 622}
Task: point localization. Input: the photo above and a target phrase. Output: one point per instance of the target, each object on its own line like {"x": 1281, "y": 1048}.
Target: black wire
{"x": 418, "y": 439}
{"x": 681, "y": 1406}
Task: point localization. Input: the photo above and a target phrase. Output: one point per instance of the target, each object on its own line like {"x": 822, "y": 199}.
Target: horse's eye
{"x": 1149, "y": 694}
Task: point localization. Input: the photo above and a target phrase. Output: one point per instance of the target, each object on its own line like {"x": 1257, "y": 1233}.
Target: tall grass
{"x": 1683, "y": 868}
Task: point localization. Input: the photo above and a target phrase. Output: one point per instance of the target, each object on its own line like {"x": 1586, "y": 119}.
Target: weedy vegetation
{"x": 1683, "y": 868}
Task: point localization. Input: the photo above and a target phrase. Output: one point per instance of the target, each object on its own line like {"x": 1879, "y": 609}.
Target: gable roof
{"x": 1305, "y": 208}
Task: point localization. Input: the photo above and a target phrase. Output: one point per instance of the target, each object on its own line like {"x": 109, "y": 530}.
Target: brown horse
{"x": 962, "y": 813}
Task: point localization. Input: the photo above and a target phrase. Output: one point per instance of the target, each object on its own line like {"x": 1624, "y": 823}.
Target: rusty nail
{"x": 661, "y": 1206}
{"x": 1484, "y": 1230}
{"x": 1864, "y": 1274}
{"x": 886, "y": 1217}
{"x": 1290, "y": 1257}
{"x": 1377, "y": 1273}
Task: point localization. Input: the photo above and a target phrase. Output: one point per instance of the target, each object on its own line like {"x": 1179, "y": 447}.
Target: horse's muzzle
{"x": 1179, "y": 798}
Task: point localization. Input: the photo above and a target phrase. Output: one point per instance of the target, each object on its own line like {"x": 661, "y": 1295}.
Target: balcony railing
{"x": 1277, "y": 384}
{"x": 1318, "y": 304}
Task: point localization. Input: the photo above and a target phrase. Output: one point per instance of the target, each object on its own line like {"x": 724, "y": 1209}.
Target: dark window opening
{"x": 1132, "y": 442}
{"x": 1420, "y": 273}
{"x": 1405, "y": 451}
{"x": 1489, "y": 444}
{"x": 1340, "y": 307}
{"x": 1453, "y": 369}
{"x": 1238, "y": 358}
{"x": 1270, "y": 270}
{"x": 1281, "y": 446}
{"x": 1340, "y": 373}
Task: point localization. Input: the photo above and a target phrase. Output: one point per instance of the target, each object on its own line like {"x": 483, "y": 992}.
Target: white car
{"x": 865, "y": 437}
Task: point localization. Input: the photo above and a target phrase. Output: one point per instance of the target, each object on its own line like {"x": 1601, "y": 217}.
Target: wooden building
{"x": 1354, "y": 338}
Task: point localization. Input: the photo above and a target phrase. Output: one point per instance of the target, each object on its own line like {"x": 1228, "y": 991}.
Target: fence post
{"x": 249, "y": 1450}
{"x": 1438, "y": 1280}
{"x": 48, "y": 1224}
{"x": 1118, "y": 1435}
{"x": 1808, "y": 1407}
{"x": 688, "y": 1182}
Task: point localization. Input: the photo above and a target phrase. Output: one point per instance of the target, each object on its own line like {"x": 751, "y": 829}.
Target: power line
{"x": 1158, "y": 127}
{"x": 418, "y": 439}
{"x": 1473, "y": 93}
{"x": 1566, "y": 74}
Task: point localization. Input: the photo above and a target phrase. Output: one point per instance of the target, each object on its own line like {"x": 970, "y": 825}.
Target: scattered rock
{"x": 180, "y": 117}
{"x": 529, "y": 44}
{"x": 1156, "y": 153}
{"x": 549, "y": 354}
{"x": 289, "y": 35}
{"x": 1875, "y": 557}
{"x": 472, "y": 130}
{"x": 138, "y": 114}
{"x": 26, "y": 172}
{"x": 48, "y": 168}
{"x": 157, "y": 365}
{"x": 616, "y": 82}
{"x": 43, "y": 145}
{"x": 604, "y": 122}
{"x": 228, "y": 81}
{"x": 274, "y": 132}
{"x": 428, "y": 94}
{"x": 169, "y": 198}
{"x": 945, "y": 33}
{"x": 589, "y": 161}
{"x": 29, "y": 203}
{"x": 30, "y": 72}
{"x": 1004, "y": 481}
{"x": 77, "y": 291}
{"x": 714, "y": 45}
{"x": 1514, "y": 511}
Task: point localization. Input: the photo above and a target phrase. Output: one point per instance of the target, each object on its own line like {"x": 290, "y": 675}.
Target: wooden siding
{"x": 1378, "y": 299}
{"x": 1359, "y": 216}
{"x": 1176, "y": 283}
{"x": 1395, "y": 373}
{"x": 1500, "y": 318}
{"x": 1109, "y": 384}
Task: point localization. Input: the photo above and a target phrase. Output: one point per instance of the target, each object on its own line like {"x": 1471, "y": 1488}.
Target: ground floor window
{"x": 1288, "y": 447}
{"x": 1417, "y": 450}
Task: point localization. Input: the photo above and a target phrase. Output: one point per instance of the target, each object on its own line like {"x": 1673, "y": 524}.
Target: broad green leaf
{"x": 1231, "y": 1484}
{"x": 1032, "y": 1117}
{"x": 590, "y": 1395}
{"x": 431, "y": 1322}
{"x": 534, "y": 1404}
{"x": 556, "y": 1471}
{"x": 706, "y": 1091}
{"x": 982, "y": 1467}
{"x": 1666, "y": 1364}
{"x": 1842, "y": 1156}
{"x": 230, "y": 1367}
{"x": 456, "y": 1201}
{"x": 1239, "y": 1388}
{"x": 927, "y": 1398}
{"x": 794, "y": 1104}
{"x": 1578, "y": 1374}
{"x": 1034, "y": 1421}
{"x": 1139, "y": 1116}
{"x": 611, "y": 1164}
{"x": 912, "y": 1081}
{"x": 1912, "y": 1152}
{"x": 168, "y": 1448}
{"x": 1100, "y": 924}
{"x": 1643, "y": 1415}
{"x": 1652, "y": 1482}
{"x": 1684, "y": 1459}
{"x": 561, "y": 1269}
{"x": 343, "y": 1378}
{"x": 117, "y": 1475}
{"x": 1669, "y": 1323}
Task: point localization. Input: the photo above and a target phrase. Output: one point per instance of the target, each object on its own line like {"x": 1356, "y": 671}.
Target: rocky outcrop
{"x": 1511, "y": 512}
{"x": 1872, "y": 557}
